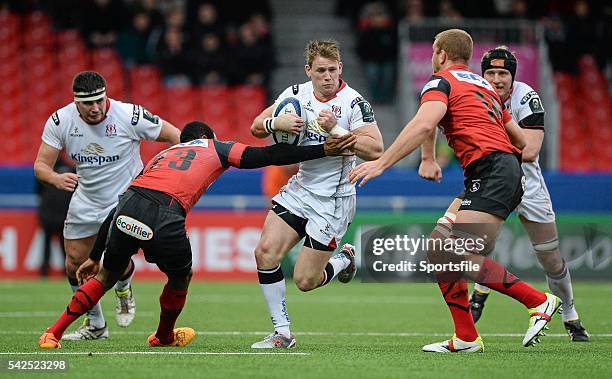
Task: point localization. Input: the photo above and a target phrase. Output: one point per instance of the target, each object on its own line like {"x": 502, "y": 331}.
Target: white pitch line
{"x": 319, "y": 334}
{"x": 147, "y": 353}
{"x": 19, "y": 314}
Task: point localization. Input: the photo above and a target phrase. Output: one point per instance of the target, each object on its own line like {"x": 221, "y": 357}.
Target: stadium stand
{"x": 36, "y": 58}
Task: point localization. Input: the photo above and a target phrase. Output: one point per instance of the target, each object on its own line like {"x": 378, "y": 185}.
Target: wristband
{"x": 337, "y": 131}
{"x": 268, "y": 125}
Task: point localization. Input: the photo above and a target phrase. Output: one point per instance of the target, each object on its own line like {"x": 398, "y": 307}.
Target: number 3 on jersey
{"x": 184, "y": 160}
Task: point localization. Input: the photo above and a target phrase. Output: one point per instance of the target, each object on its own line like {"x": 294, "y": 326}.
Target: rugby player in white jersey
{"x": 535, "y": 211}
{"x": 103, "y": 137}
{"x": 318, "y": 203}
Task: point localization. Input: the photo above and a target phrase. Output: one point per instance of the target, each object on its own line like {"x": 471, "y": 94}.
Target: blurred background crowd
{"x": 229, "y": 42}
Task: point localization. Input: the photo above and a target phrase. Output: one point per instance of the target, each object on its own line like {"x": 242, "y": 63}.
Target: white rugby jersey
{"x": 107, "y": 154}
{"x": 328, "y": 176}
{"x": 526, "y": 109}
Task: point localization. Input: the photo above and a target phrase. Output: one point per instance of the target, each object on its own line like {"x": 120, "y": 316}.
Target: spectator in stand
{"x": 414, "y": 11}
{"x": 261, "y": 26}
{"x": 251, "y": 58}
{"x": 377, "y": 48}
{"x": 152, "y": 9}
{"x": 448, "y": 12}
{"x": 206, "y": 22}
{"x": 100, "y": 21}
{"x": 209, "y": 61}
{"x": 62, "y": 12}
{"x": 52, "y": 209}
{"x": 585, "y": 33}
{"x": 172, "y": 58}
{"x": 134, "y": 44}
{"x": 242, "y": 14}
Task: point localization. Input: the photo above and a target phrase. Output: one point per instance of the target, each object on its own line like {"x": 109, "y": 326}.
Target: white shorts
{"x": 84, "y": 220}
{"x": 328, "y": 217}
{"x": 537, "y": 207}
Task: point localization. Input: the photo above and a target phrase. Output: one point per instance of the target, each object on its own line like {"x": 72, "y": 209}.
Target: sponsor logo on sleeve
{"x": 55, "y": 118}
{"x": 431, "y": 84}
{"x": 355, "y": 101}
{"x": 134, "y": 228}
{"x": 135, "y": 114}
{"x": 536, "y": 105}
{"x": 150, "y": 117}
{"x": 295, "y": 88}
{"x": 528, "y": 96}
{"x": 367, "y": 112}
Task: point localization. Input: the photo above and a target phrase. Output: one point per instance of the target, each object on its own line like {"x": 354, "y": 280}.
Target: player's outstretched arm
{"x": 169, "y": 133}
{"x": 429, "y": 169}
{"x": 43, "y": 169}
{"x": 369, "y": 145}
{"x": 283, "y": 154}
{"x": 413, "y": 134}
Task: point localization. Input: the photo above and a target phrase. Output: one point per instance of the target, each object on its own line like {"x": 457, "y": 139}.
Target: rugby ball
{"x": 289, "y": 105}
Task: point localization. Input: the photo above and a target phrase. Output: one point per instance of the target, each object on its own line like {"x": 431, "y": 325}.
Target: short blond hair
{"x": 457, "y": 43}
{"x": 324, "y": 48}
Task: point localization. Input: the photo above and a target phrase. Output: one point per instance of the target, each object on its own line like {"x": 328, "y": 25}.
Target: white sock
{"x": 561, "y": 285}
{"x": 95, "y": 316}
{"x": 272, "y": 283}
{"x": 482, "y": 289}
{"x": 124, "y": 284}
{"x": 336, "y": 264}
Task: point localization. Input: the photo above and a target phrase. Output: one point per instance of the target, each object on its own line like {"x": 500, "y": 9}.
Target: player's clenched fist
{"x": 67, "y": 181}
{"x": 430, "y": 170}
{"x": 326, "y": 120}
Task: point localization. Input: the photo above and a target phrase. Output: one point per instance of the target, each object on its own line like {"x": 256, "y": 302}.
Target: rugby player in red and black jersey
{"x": 151, "y": 216}
{"x": 487, "y": 142}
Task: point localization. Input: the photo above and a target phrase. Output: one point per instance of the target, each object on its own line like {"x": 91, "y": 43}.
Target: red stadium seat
{"x": 214, "y": 105}
{"x": 148, "y": 149}
{"x": 69, "y": 37}
{"x": 179, "y": 105}
{"x": 253, "y": 93}
{"x": 145, "y": 87}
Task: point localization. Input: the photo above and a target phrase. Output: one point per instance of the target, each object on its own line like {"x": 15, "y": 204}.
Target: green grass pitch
{"x": 343, "y": 331}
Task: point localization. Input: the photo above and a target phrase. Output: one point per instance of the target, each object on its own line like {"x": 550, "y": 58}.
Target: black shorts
{"x": 151, "y": 221}
{"x": 493, "y": 184}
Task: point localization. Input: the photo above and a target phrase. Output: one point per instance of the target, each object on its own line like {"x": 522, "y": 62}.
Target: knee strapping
{"x": 546, "y": 247}
{"x": 444, "y": 225}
